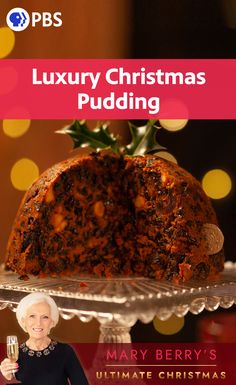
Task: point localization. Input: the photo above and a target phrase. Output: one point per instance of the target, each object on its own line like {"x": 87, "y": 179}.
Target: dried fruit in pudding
{"x": 111, "y": 214}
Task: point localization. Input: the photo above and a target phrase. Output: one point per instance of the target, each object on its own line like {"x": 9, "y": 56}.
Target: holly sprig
{"x": 98, "y": 139}
{"x": 143, "y": 138}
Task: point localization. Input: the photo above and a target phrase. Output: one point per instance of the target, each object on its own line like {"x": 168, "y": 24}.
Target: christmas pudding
{"x": 110, "y": 214}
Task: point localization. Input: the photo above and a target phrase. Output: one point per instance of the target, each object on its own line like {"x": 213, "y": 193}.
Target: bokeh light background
{"x": 118, "y": 29}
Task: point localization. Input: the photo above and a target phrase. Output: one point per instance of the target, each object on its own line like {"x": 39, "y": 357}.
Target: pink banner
{"x": 118, "y": 89}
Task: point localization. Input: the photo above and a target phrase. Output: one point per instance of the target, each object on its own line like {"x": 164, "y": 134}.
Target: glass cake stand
{"x": 118, "y": 303}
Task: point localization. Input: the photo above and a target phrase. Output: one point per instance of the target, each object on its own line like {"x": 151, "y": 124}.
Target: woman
{"x": 42, "y": 361}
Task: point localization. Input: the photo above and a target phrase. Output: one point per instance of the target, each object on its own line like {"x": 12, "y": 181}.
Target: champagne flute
{"x": 12, "y": 350}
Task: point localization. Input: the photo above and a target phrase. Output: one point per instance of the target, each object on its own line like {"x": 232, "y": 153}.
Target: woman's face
{"x": 38, "y": 321}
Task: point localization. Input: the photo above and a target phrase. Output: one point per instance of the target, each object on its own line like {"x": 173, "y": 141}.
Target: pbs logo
{"x": 18, "y": 19}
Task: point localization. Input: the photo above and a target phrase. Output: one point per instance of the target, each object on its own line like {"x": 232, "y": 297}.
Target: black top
{"x": 51, "y": 366}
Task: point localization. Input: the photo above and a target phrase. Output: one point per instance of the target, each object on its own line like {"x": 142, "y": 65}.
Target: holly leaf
{"x": 99, "y": 138}
{"x": 143, "y": 139}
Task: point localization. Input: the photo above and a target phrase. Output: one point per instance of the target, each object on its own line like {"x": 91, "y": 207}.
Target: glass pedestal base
{"x": 118, "y": 303}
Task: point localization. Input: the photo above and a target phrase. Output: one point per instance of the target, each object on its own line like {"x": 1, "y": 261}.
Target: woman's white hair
{"x": 32, "y": 299}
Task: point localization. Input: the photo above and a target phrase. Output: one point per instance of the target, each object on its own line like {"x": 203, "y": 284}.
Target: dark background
{"x": 184, "y": 29}
{"x": 192, "y": 29}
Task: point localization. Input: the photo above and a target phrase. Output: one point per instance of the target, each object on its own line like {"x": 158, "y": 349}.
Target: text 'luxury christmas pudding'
{"x": 109, "y": 214}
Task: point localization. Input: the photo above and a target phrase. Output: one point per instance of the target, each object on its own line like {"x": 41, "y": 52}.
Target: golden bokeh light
{"x": 173, "y": 124}
{"x": 167, "y": 155}
{"x": 23, "y": 173}
{"x": 15, "y": 128}
{"x": 217, "y": 184}
{"x": 171, "y": 326}
{"x": 7, "y": 41}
